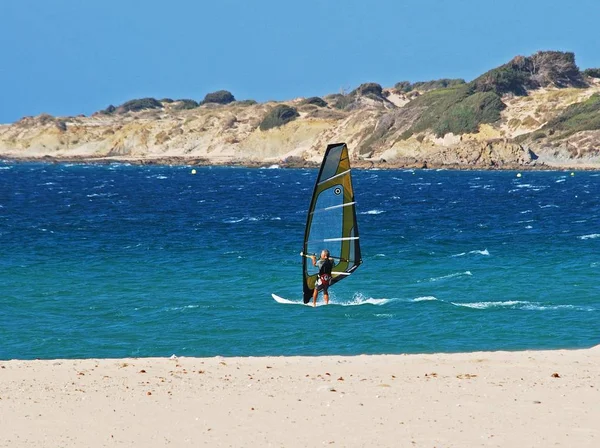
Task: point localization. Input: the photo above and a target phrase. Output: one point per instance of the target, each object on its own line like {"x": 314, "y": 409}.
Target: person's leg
{"x": 315, "y": 294}
{"x": 326, "y": 295}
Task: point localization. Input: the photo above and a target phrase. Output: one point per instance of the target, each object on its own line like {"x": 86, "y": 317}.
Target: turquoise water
{"x": 117, "y": 261}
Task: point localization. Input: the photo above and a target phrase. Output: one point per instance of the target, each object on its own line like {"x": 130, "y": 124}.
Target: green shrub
{"x": 185, "y": 104}
{"x": 369, "y": 88}
{"x": 343, "y": 101}
{"x": 166, "y": 100}
{"x": 109, "y": 110}
{"x": 315, "y": 100}
{"x": 537, "y": 135}
{"x": 592, "y": 72}
{"x": 501, "y": 80}
{"x": 426, "y": 86}
{"x": 139, "y": 104}
{"x": 403, "y": 86}
{"x": 219, "y": 97}
{"x": 278, "y": 116}
{"x": 246, "y": 102}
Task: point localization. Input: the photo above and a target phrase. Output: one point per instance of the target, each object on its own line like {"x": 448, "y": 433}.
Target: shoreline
{"x": 293, "y": 163}
{"x": 525, "y": 398}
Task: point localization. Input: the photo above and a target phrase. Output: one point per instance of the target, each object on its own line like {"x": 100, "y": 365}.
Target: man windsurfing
{"x": 325, "y": 265}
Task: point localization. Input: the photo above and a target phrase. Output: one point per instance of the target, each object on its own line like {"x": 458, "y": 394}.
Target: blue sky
{"x": 69, "y": 57}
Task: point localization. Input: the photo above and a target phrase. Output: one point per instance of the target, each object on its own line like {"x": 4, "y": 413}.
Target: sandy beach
{"x": 504, "y": 399}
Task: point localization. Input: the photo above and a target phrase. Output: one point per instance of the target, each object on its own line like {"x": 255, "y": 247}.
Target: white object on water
{"x": 280, "y": 299}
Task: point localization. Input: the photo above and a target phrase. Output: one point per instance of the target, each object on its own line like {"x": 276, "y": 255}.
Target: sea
{"x": 113, "y": 261}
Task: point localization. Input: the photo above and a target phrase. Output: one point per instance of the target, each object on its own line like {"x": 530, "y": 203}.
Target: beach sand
{"x": 505, "y": 399}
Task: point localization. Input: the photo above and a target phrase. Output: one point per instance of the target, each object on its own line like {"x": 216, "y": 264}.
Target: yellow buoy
{"x": 518, "y": 174}
{"x": 572, "y": 174}
{"x": 193, "y": 171}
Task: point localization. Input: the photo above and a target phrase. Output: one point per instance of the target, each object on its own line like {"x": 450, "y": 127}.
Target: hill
{"x": 538, "y": 111}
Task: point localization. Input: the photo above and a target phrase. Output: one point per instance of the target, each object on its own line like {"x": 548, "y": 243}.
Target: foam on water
{"x": 589, "y": 237}
{"x": 373, "y": 212}
{"x": 360, "y": 299}
{"x": 357, "y": 299}
{"x": 473, "y": 252}
{"x": 519, "y": 305}
{"x": 425, "y": 299}
{"x": 454, "y": 275}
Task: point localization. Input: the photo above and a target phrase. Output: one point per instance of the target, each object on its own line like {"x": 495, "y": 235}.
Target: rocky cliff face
{"x": 554, "y": 121}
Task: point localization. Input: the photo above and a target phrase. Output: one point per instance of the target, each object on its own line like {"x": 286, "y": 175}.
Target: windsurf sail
{"x": 331, "y": 221}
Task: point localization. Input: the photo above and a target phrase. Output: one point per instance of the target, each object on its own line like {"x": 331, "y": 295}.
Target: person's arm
{"x": 314, "y": 259}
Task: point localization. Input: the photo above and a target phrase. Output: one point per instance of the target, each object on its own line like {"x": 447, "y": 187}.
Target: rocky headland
{"x": 535, "y": 112}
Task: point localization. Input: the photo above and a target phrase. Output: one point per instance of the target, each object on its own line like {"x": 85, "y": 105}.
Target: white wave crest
{"x": 473, "y": 252}
{"x": 486, "y": 305}
{"x": 235, "y": 220}
{"x": 480, "y": 252}
{"x": 180, "y": 308}
{"x": 360, "y": 299}
{"x": 589, "y": 237}
{"x": 372, "y": 212}
{"x": 462, "y": 254}
{"x": 520, "y": 305}
{"x": 425, "y": 299}
{"x": 444, "y": 277}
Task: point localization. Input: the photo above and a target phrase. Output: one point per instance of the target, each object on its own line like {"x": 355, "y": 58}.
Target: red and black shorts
{"x": 323, "y": 282}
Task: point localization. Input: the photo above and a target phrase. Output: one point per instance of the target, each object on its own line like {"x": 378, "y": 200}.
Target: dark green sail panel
{"x": 331, "y": 222}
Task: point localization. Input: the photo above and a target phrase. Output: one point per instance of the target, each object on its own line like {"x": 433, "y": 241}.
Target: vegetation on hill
{"x": 185, "y": 104}
{"x": 348, "y": 101}
{"x": 455, "y": 109}
{"x": 139, "y": 104}
{"x": 340, "y": 101}
{"x": 584, "y": 116}
{"x": 369, "y": 89}
{"x": 592, "y": 72}
{"x": 543, "y": 69}
{"x": 425, "y": 86}
{"x": 109, "y": 110}
{"x": 314, "y": 100}
{"x": 246, "y": 102}
{"x": 461, "y": 108}
{"x": 278, "y": 116}
{"x": 219, "y": 97}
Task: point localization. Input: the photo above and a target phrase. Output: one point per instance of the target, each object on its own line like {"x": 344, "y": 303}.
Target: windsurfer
{"x": 325, "y": 265}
